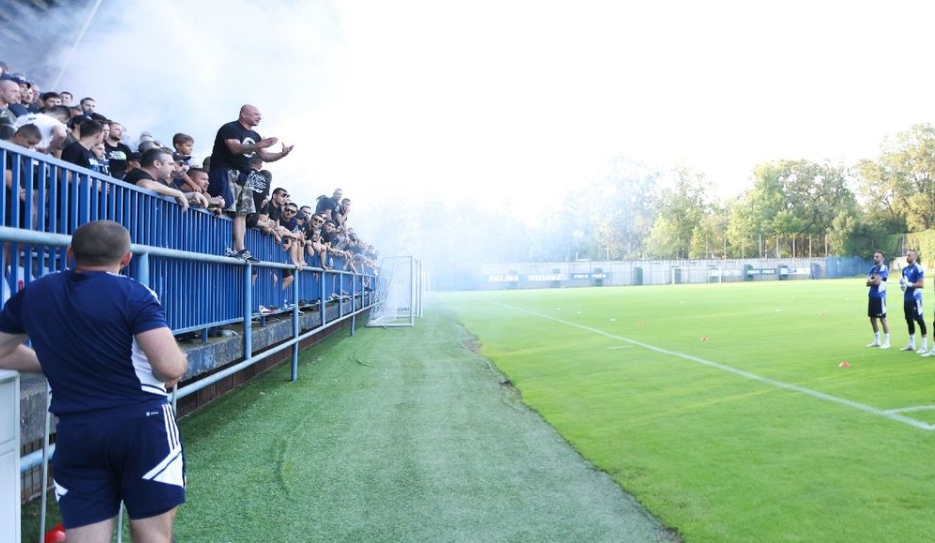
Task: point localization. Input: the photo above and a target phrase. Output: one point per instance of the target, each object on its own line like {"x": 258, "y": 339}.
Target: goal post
{"x": 696, "y": 274}
{"x": 399, "y": 292}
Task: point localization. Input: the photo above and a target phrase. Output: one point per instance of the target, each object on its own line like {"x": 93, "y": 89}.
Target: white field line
{"x": 619, "y": 347}
{"x": 888, "y": 414}
{"x": 909, "y": 409}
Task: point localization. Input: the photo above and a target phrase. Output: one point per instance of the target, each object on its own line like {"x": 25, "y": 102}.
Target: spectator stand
{"x": 177, "y": 255}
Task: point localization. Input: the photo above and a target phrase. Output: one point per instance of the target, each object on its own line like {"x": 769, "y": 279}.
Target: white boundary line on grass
{"x": 909, "y": 409}
{"x": 888, "y": 414}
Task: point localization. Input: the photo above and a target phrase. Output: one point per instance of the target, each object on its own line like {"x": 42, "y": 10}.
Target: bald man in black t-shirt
{"x": 234, "y": 144}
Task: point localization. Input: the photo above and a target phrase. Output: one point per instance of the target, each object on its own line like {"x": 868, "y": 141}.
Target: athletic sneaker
{"x": 246, "y": 256}
{"x": 229, "y": 252}
{"x": 908, "y": 348}
{"x": 929, "y": 354}
{"x": 885, "y": 346}
{"x": 266, "y": 310}
{"x": 874, "y": 344}
{"x": 922, "y": 351}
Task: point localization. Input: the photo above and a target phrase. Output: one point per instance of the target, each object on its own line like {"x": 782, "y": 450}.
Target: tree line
{"x": 794, "y": 208}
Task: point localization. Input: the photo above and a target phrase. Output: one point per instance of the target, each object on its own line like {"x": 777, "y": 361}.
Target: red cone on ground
{"x": 844, "y": 364}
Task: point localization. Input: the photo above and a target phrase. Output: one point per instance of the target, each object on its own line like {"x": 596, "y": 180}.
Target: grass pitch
{"x": 721, "y": 408}
{"x": 724, "y": 409}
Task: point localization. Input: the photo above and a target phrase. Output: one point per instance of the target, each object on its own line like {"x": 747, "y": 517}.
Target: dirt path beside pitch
{"x": 395, "y": 435}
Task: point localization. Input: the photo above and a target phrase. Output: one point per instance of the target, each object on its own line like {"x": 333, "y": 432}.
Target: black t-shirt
{"x": 221, "y": 155}
{"x": 77, "y": 154}
{"x": 117, "y": 158}
{"x": 137, "y": 175}
{"x": 10, "y": 197}
{"x": 290, "y": 225}
{"x": 256, "y": 182}
{"x": 271, "y": 211}
{"x": 326, "y": 203}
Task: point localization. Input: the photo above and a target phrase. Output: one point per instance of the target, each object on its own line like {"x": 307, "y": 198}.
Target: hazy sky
{"x": 511, "y": 100}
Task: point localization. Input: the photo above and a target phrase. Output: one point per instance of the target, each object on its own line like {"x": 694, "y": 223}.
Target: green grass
{"x": 397, "y": 435}
{"x": 719, "y": 456}
{"x": 407, "y": 435}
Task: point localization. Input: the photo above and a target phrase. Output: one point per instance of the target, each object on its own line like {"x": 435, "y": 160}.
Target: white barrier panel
{"x": 9, "y": 457}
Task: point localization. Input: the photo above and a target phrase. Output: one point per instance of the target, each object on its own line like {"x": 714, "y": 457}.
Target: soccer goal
{"x": 696, "y": 274}
{"x": 399, "y": 292}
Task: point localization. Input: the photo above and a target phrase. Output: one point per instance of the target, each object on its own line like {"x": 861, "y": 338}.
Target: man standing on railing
{"x": 110, "y": 359}
{"x": 234, "y": 144}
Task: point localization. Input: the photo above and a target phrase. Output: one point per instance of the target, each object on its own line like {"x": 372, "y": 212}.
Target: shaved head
{"x": 100, "y": 243}
{"x": 250, "y": 115}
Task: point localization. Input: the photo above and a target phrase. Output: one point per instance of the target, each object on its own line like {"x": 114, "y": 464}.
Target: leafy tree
{"x": 682, "y": 205}
{"x": 625, "y": 208}
{"x": 743, "y": 228}
{"x": 793, "y": 200}
{"x": 900, "y": 186}
{"x": 709, "y": 238}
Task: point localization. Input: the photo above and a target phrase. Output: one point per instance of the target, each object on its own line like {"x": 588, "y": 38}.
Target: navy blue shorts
{"x": 131, "y": 454}
{"x": 913, "y": 310}
{"x": 219, "y": 184}
{"x": 876, "y": 308}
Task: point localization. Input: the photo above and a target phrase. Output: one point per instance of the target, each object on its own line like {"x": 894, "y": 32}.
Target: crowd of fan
{"x": 235, "y": 185}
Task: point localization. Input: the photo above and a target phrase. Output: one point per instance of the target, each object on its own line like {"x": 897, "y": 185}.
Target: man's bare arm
{"x": 159, "y": 188}
{"x": 16, "y": 356}
{"x": 169, "y": 363}
{"x": 239, "y": 148}
{"x": 273, "y": 157}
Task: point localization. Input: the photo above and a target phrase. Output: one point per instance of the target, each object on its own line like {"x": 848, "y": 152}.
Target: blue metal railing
{"x": 176, "y": 254}
{"x": 198, "y": 289}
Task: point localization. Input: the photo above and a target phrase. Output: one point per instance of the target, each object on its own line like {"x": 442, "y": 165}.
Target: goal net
{"x": 692, "y": 274}
{"x": 398, "y": 293}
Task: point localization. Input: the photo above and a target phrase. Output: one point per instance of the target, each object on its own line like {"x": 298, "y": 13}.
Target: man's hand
{"x": 182, "y": 200}
{"x": 266, "y": 143}
{"x": 198, "y": 199}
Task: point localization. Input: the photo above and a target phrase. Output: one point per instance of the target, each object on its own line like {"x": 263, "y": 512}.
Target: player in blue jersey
{"x": 876, "y": 306}
{"x": 912, "y": 283}
{"x": 104, "y": 345}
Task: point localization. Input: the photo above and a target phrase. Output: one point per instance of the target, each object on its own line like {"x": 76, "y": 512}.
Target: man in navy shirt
{"x": 110, "y": 358}
{"x": 234, "y": 144}
{"x": 912, "y": 282}
{"x": 876, "y": 306}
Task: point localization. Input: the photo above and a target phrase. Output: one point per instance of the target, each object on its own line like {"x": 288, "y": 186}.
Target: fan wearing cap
{"x": 9, "y": 94}
{"x": 24, "y": 91}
